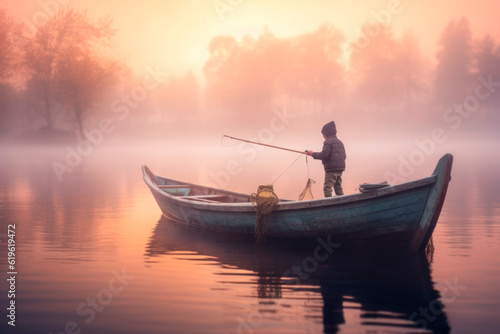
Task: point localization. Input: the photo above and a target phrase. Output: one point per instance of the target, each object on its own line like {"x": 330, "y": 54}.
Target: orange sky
{"x": 175, "y": 33}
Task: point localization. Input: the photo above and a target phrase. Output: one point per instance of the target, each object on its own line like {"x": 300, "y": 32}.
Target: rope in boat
{"x": 307, "y": 192}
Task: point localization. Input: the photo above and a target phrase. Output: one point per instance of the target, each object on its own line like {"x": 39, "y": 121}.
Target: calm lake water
{"x": 93, "y": 254}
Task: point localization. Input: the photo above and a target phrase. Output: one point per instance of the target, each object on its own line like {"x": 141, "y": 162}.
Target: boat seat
{"x": 176, "y": 189}
{"x": 168, "y": 186}
{"x": 207, "y": 198}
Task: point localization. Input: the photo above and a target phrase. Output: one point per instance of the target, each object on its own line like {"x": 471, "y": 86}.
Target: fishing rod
{"x": 262, "y": 144}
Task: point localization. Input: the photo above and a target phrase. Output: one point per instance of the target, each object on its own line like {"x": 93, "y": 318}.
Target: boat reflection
{"x": 389, "y": 291}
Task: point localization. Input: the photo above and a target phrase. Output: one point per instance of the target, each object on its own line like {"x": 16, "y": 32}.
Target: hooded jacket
{"x": 333, "y": 153}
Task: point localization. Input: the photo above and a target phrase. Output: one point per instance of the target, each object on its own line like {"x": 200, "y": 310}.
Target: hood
{"x": 329, "y": 129}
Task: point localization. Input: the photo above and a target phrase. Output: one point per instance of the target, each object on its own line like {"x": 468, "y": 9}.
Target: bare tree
{"x": 8, "y": 65}
{"x": 40, "y": 61}
{"x": 8, "y": 31}
{"x": 67, "y": 66}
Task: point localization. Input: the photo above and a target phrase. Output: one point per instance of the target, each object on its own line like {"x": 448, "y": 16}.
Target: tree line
{"x": 387, "y": 76}
{"x": 62, "y": 68}
{"x": 57, "y": 78}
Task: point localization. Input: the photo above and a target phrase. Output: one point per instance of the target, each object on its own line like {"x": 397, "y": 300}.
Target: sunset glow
{"x": 136, "y": 138}
{"x": 176, "y": 33}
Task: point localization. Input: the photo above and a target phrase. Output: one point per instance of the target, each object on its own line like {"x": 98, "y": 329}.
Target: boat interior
{"x": 199, "y": 193}
{"x": 196, "y": 193}
{"x": 193, "y": 192}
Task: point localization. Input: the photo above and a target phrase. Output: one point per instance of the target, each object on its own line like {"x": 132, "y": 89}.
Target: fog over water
{"x": 100, "y": 221}
{"x": 90, "y": 91}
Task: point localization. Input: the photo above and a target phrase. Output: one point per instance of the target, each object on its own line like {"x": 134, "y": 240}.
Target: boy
{"x": 333, "y": 158}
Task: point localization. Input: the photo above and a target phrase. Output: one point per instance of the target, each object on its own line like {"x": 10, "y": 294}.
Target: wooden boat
{"x": 396, "y": 216}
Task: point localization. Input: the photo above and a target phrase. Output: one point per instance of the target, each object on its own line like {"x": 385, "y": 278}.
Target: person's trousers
{"x": 333, "y": 180}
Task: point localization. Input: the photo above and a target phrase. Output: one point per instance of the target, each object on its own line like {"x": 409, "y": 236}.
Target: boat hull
{"x": 401, "y": 216}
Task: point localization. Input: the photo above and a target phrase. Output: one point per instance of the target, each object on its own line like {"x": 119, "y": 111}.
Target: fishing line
{"x": 309, "y": 181}
{"x": 287, "y": 168}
